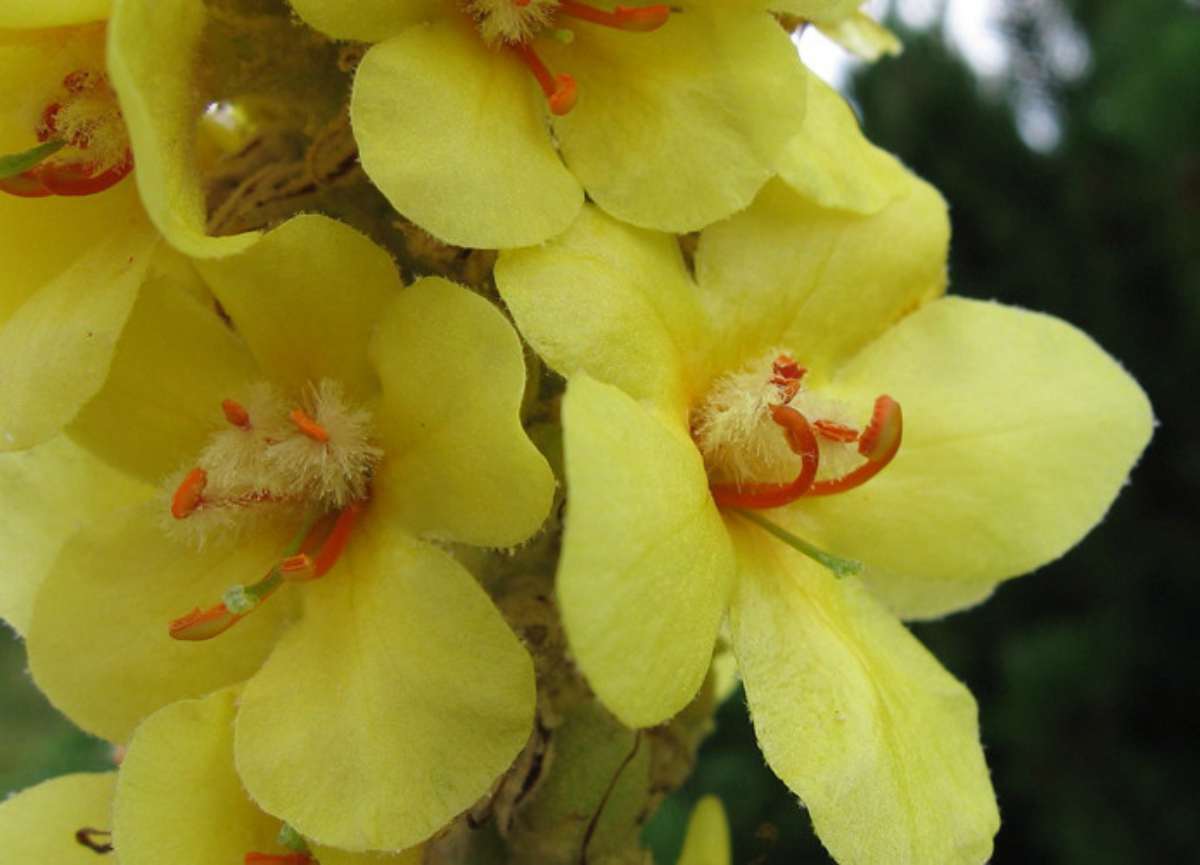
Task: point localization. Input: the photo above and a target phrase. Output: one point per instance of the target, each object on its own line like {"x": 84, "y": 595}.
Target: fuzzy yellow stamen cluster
{"x": 90, "y": 121}
{"x": 509, "y": 22}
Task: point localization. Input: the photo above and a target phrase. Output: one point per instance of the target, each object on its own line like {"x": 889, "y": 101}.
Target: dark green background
{"x": 1083, "y": 671}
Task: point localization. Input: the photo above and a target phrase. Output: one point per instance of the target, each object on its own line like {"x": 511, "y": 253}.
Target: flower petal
{"x": 50, "y": 491}
{"x": 98, "y": 642}
{"x": 459, "y": 465}
{"x": 364, "y": 20}
{"x": 788, "y": 273}
{"x": 862, "y": 35}
{"x": 879, "y": 742}
{"x": 833, "y": 164}
{"x": 38, "y": 825}
{"x": 1018, "y": 433}
{"x": 646, "y": 562}
{"x": 52, "y": 13}
{"x": 678, "y": 128}
{"x": 451, "y": 133}
{"x": 392, "y": 706}
{"x": 306, "y": 298}
{"x": 707, "y": 839}
{"x": 57, "y": 348}
{"x": 152, "y": 49}
{"x": 610, "y": 300}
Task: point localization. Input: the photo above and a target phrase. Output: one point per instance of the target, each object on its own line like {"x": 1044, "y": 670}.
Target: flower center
{"x": 309, "y": 463}
{"x": 513, "y": 24}
{"x": 84, "y": 145}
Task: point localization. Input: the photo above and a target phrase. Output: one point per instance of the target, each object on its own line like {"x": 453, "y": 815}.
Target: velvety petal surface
{"x": 365, "y": 20}
{"x": 707, "y": 839}
{"x": 646, "y": 561}
{"x": 610, "y": 300}
{"x": 1019, "y": 431}
{"x": 306, "y": 299}
{"x": 52, "y": 13}
{"x": 152, "y": 49}
{"x": 787, "y": 273}
{"x": 56, "y": 349}
{"x": 452, "y": 133}
{"x": 38, "y": 825}
{"x": 678, "y": 128}
{"x": 458, "y": 465}
{"x": 879, "y": 742}
{"x": 50, "y": 491}
{"x": 393, "y": 705}
{"x": 98, "y": 641}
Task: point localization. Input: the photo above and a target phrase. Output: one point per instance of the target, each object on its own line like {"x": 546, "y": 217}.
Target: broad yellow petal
{"x": 52, "y": 13}
{"x": 833, "y": 164}
{"x": 816, "y": 10}
{"x": 879, "y": 742}
{"x": 57, "y": 348}
{"x": 365, "y": 20}
{"x": 179, "y": 799}
{"x": 38, "y": 825}
{"x": 646, "y": 561}
{"x": 306, "y": 299}
{"x": 1018, "y": 433}
{"x": 707, "y": 839}
{"x": 451, "y": 132}
{"x": 392, "y": 706}
{"x": 49, "y": 491}
{"x": 152, "y": 53}
{"x": 98, "y": 641}
{"x": 610, "y": 300}
{"x": 176, "y": 361}
{"x": 822, "y": 283}
{"x": 678, "y": 128}
{"x": 458, "y": 464}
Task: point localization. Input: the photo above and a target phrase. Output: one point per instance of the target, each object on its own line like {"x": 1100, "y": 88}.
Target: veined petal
{"x": 50, "y": 491}
{"x": 1018, "y": 433}
{"x": 174, "y": 364}
{"x": 459, "y": 465}
{"x": 646, "y": 561}
{"x": 392, "y": 706}
{"x": 57, "y": 348}
{"x": 610, "y": 300}
{"x": 365, "y": 20}
{"x": 52, "y": 13}
{"x": 98, "y": 641}
{"x": 833, "y": 164}
{"x": 879, "y": 742}
{"x": 788, "y": 273}
{"x": 679, "y": 128}
{"x": 451, "y": 132}
{"x": 38, "y": 825}
{"x": 707, "y": 839}
{"x": 179, "y": 799}
{"x": 152, "y": 49}
{"x": 306, "y": 299}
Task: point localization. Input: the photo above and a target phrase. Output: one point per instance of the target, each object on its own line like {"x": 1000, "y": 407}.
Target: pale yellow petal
{"x": 646, "y": 561}
{"x": 676, "y": 129}
{"x": 1019, "y": 431}
{"x": 610, "y": 300}
{"x": 862, "y": 35}
{"x": 452, "y": 133}
{"x": 458, "y": 465}
{"x": 707, "y": 840}
{"x": 306, "y": 299}
{"x": 392, "y": 706}
{"x": 38, "y": 825}
{"x": 50, "y": 491}
{"x": 98, "y": 641}
{"x": 365, "y": 20}
{"x": 52, "y": 13}
{"x": 879, "y": 742}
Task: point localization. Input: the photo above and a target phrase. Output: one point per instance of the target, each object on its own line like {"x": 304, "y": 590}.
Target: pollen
{"x": 511, "y": 21}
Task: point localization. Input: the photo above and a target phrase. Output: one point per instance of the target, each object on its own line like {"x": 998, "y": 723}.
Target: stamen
{"x": 236, "y": 413}
{"x": 307, "y": 425}
{"x": 786, "y": 376}
{"x": 834, "y": 431}
{"x": 879, "y": 443}
{"x": 641, "y": 19}
{"x": 203, "y": 624}
{"x": 803, "y": 443}
{"x": 841, "y": 567}
{"x": 559, "y": 89}
{"x": 303, "y": 567}
{"x": 190, "y": 493}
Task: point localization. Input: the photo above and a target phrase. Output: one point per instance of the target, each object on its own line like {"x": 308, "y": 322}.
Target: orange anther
{"x": 189, "y": 495}
{"x": 879, "y": 443}
{"x": 641, "y": 19}
{"x": 298, "y": 568}
{"x": 203, "y": 624}
{"x": 558, "y": 89}
{"x": 278, "y": 859}
{"x": 757, "y": 496}
{"x": 307, "y": 425}
{"x": 835, "y": 431}
{"x": 236, "y": 413}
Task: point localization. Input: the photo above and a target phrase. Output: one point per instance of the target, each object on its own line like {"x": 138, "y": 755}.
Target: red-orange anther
{"x": 834, "y": 431}
{"x": 758, "y": 496}
{"x": 879, "y": 443}
{"x": 307, "y": 425}
{"x": 189, "y": 495}
{"x": 236, "y": 413}
{"x": 558, "y": 89}
{"x": 642, "y": 19}
{"x": 203, "y": 624}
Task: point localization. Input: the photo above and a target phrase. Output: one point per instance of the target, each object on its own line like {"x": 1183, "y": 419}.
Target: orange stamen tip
{"x": 298, "y": 568}
{"x": 562, "y": 100}
{"x": 834, "y": 431}
{"x": 203, "y": 624}
{"x": 278, "y": 859}
{"x": 189, "y": 495}
{"x": 236, "y": 413}
{"x": 643, "y": 19}
{"x": 307, "y": 425}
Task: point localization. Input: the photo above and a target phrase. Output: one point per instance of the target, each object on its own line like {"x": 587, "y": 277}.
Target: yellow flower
{"x": 672, "y": 128}
{"x": 398, "y": 694}
{"x": 997, "y": 437}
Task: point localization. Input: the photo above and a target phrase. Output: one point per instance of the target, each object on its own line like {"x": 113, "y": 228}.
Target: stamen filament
{"x": 841, "y": 567}
{"x": 879, "y": 443}
{"x": 302, "y": 567}
{"x": 559, "y": 89}
{"x": 642, "y": 19}
{"x": 803, "y": 443}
